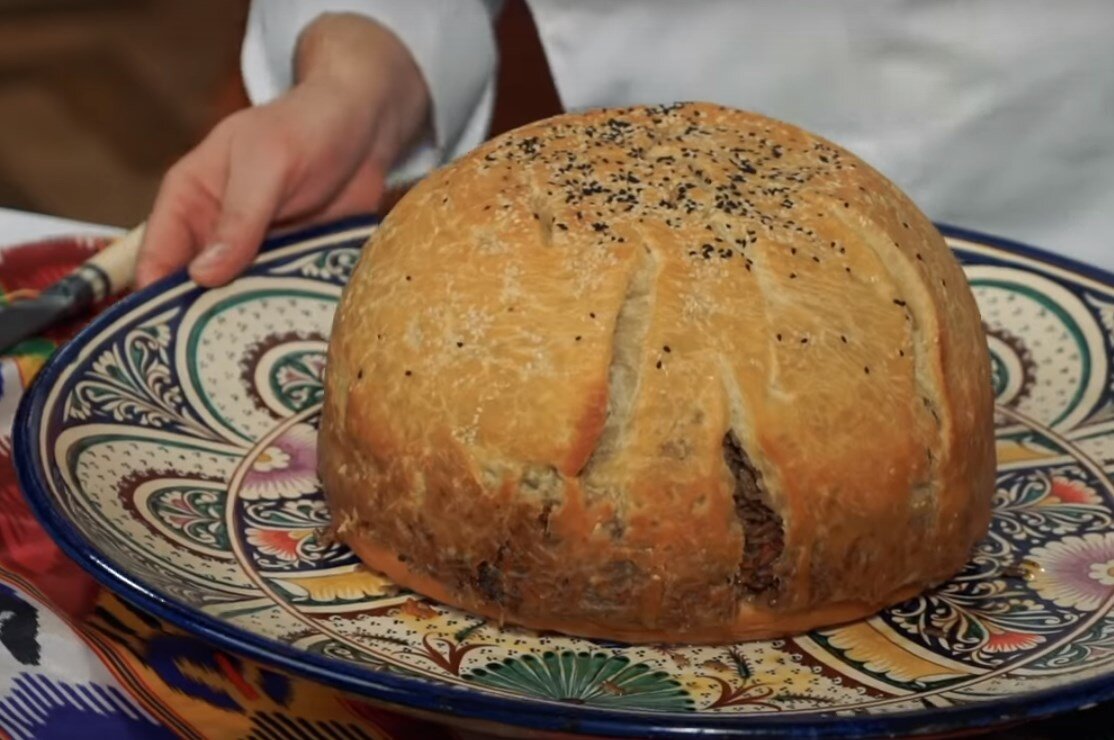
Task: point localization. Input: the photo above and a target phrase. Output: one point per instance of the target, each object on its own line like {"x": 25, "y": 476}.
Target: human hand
{"x": 319, "y": 152}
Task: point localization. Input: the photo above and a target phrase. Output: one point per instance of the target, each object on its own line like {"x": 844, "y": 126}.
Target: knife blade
{"x": 110, "y": 271}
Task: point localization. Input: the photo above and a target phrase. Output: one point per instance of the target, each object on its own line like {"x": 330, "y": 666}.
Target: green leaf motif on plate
{"x": 196, "y": 513}
{"x": 296, "y": 380}
{"x": 1031, "y": 506}
{"x": 1092, "y": 648}
{"x": 596, "y": 679}
{"x": 133, "y": 382}
{"x": 999, "y": 375}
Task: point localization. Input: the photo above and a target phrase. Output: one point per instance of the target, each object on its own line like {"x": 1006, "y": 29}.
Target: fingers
{"x": 214, "y": 205}
{"x": 251, "y": 198}
{"x": 185, "y": 208}
{"x": 286, "y": 163}
{"x": 182, "y": 213}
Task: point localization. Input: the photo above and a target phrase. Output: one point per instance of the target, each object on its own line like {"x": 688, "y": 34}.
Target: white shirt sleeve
{"x": 453, "y": 45}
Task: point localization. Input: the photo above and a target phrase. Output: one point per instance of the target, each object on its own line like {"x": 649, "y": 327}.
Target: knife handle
{"x": 112, "y": 270}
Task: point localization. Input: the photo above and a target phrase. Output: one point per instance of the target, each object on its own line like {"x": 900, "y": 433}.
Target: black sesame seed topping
{"x": 747, "y": 182}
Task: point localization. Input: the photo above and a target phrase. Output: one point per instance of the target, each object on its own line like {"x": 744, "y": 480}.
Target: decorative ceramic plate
{"x": 170, "y": 448}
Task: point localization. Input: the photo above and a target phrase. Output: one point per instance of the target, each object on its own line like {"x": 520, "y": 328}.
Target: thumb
{"x": 251, "y": 199}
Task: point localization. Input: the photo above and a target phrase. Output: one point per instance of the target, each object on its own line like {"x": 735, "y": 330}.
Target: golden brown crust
{"x": 577, "y": 369}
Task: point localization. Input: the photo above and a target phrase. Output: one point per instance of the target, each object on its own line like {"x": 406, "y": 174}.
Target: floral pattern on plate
{"x": 180, "y": 444}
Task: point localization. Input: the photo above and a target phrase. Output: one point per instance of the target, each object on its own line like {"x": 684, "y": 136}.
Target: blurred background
{"x": 99, "y": 97}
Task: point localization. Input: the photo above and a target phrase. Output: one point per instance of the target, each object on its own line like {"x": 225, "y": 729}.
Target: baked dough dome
{"x": 678, "y": 373}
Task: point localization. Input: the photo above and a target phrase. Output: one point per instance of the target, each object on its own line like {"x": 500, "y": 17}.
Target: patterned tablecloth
{"x": 75, "y": 661}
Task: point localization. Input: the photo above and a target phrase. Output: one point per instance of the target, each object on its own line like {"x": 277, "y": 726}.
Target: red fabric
{"x": 26, "y": 549}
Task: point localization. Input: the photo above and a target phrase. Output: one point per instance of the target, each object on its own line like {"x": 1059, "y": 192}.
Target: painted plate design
{"x": 171, "y": 450}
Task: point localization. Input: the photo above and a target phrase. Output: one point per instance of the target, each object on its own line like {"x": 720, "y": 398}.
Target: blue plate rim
{"x": 426, "y": 696}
